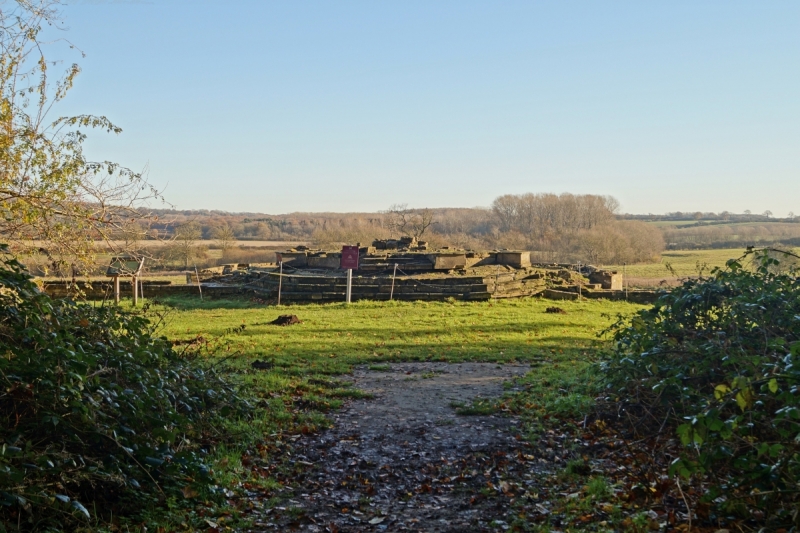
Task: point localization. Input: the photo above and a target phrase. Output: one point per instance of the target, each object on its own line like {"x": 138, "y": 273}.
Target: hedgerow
{"x": 717, "y": 362}
{"x": 98, "y": 416}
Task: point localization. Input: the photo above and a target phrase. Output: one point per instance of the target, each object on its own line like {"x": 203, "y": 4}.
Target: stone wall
{"x": 305, "y": 288}
{"x": 104, "y": 290}
{"x": 373, "y": 259}
{"x": 608, "y": 279}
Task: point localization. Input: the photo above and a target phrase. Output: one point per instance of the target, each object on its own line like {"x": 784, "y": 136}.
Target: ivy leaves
{"x": 717, "y": 360}
{"x": 95, "y": 413}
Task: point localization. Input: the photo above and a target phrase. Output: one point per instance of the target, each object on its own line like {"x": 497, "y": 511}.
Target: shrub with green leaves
{"x": 717, "y": 361}
{"x": 97, "y": 415}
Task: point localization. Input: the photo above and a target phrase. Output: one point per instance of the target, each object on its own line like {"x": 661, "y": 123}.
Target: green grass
{"x": 667, "y": 223}
{"x": 683, "y": 262}
{"x": 479, "y": 407}
{"x": 334, "y": 337}
{"x": 304, "y": 384}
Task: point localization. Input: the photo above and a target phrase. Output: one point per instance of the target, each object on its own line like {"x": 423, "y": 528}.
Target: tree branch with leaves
{"x": 53, "y": 200}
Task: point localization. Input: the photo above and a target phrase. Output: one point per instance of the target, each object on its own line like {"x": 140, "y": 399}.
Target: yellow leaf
{"x": 720, "y": 391}
{"x": 744, "y": 398}
{"x": 773, "y": 385}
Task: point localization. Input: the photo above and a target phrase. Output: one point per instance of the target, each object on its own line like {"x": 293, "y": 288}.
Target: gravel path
{"x": 405, "y": 461}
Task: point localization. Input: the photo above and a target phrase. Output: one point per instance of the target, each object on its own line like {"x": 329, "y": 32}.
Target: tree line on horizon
{"x": 560, "y": 228}
{"x": 555, "y": 227}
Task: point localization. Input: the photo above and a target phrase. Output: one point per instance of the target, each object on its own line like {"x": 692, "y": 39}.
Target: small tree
{"x": 225, "y": 237}
{"x": 130, "y": 234}
{"x": 408, "y": 222}
{"x": 186, "y": 237}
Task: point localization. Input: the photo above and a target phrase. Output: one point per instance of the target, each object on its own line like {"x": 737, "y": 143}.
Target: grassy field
{"x": 683, "y": 262}
{"x": 706, "y": 223}
{"x": 303, "y": 383}
{"x": 335, "y": 337}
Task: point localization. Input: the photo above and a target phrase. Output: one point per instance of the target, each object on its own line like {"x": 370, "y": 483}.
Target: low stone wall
{"x": 637, "y": 296}
{"x": 104, "y": 290}
{"x": 417, "y": 261}
{"x": 592, "y": 293}
{"x": 319, "y": 288}
{"x": 299, "y": 288}
{"x": 552, "y": 294}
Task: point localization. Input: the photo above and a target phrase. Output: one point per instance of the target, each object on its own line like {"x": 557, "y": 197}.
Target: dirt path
{"x": 405, "y": 461}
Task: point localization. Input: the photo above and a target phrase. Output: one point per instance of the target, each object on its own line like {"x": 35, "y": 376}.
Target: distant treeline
{"x": 732, "y": 235}
{"x": 565, "y": 227}
{"x": 724, "y": 217}
{"x": 562, "y": 227}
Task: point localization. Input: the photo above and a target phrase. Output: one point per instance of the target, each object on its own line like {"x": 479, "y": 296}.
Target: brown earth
{"x": 286, "y": 320}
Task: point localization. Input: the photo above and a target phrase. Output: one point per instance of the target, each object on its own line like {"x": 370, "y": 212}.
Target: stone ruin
{"x": 405, "y": 269}
{"x": 398, "y": 269}
{"x": 607, "y": 279}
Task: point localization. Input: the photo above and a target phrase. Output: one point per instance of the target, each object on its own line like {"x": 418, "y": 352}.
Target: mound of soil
{"x": 262, "y": 365}
{"x": 555, "y": 310}
{"x": 286, "y": 320}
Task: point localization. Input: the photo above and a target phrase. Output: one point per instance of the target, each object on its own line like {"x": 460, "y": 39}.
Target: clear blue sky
{"x": 353, "y": 106}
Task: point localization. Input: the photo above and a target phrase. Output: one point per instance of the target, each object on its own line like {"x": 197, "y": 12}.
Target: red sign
{"x": 278, "y": 257}
{"x": 349, "y": 257}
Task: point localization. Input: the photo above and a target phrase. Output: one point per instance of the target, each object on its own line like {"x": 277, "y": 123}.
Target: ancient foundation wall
{"x": 103, "y": 290}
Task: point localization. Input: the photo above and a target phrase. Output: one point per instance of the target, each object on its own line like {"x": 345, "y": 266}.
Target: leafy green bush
{"x": 97, "y": 416}
{"x": 718, "y": 362}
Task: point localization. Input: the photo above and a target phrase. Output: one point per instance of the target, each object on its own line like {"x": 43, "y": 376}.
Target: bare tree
{"x": 612, "y": 204}
{"x": 186, "y": 237}
{"x": 130, "y": 234}
{"x": 226, "y": 238}
{"x": 408, "y": 222}
{"x": 545, "y": 218}
{"x": 505, "y": 208}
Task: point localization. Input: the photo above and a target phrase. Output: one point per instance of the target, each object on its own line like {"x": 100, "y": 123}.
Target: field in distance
{"x": 684, "y": 263}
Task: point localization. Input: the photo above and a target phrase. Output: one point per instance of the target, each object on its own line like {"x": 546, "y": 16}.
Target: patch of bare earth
{"x": 403, "y": 460}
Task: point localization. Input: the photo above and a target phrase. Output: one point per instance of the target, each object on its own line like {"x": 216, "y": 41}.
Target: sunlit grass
{"x": 333, "y": 338}
{"x": 682, "y": 262}
{"x": 306, "y": 363}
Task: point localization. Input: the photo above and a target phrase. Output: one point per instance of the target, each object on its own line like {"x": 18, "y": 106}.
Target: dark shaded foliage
{"x": 96, "y": 414}
{"x": 717, "y": 361}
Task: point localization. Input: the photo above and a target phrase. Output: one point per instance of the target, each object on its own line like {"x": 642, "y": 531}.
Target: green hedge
{"x": 97, "y": 415}
{"x": 717, "y": 361}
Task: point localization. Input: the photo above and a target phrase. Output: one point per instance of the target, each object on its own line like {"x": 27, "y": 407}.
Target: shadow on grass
{"x": 191, "y": 303}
